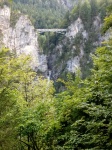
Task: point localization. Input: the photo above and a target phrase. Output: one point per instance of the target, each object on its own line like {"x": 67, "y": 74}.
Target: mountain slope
{"x": 72, "y": 50}
{"x": 64, "y": 53}
{"x": 44, "y": 13}
{"x": 21, "y": 38}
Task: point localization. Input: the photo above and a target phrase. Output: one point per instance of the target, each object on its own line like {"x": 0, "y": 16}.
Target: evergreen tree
{"x": 83, "y": 114}
{"x": 10, "y": 100}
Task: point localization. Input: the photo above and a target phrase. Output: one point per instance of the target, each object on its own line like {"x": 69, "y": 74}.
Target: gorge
{"x": 67, "y": 55}
{"x": 55, "y": 74}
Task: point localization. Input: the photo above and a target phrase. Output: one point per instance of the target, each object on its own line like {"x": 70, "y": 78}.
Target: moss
{"x": 5, "y": 2}
{"x": 14, "y": 18}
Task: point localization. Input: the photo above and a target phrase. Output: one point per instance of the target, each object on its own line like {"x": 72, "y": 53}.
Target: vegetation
{"x": 33, "y": 117}
{"x": 42, "y": 13}
{"x": 86, "y": 10}
{"x": 89, "y": 11}
{"x": 22, "y": 95}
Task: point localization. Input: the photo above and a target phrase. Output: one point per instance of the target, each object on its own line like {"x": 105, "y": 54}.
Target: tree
{"x": 25, "y": 103}
{"x": 35, "y": 117}
{"x": 10, "y": 100}
{"x": 108, "y": 23}
{"x": 84, "y": 117}
{"x": 85, "y": 13}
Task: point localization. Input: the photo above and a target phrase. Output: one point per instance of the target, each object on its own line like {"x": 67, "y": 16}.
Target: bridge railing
{"x": 51, "y": 30}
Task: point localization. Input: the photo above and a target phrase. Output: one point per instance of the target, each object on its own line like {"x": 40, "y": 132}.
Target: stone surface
{"x": 22, "y": 38}
{"x": 67, "y": 55}
{"x": 97, "y": 23}
{"x": 73, "y": 64}
{"x": 75, "y": 28}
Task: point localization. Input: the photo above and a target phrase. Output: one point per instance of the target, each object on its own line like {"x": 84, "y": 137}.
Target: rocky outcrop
{"x": 73, "y": 52}
{"x": 73, "y": 64}
{"x": 68, "y": 54}
{"x": 76, "y": 27}
{"x": 73, "y": 30}
{"x": 68, "y": 4}
{"x": 22, "y": 38}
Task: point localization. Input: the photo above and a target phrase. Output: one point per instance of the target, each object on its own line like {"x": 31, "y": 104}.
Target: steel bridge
{"x": 51, "y": 30}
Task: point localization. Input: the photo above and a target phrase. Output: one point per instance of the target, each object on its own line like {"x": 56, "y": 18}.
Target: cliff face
{"x": 68, "y": 54}
{"x": 73, "y": 51}
{"x": 22, "y": 38}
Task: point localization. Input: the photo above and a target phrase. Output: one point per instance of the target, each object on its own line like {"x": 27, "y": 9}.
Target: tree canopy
{"x": 34, "y": 117}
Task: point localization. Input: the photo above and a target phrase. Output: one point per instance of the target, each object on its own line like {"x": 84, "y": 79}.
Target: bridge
{"x": 51, "y": 30}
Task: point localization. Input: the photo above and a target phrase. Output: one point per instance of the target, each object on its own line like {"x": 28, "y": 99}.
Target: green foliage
{"x": 108, "y": 23}
{"x": 24, "y": 100}
{"x": 83, "y": 110}
{"x": 43, "y": 14}
{"x": 5, "y": 2}
{"x": 33, "y": 118}
{"x": 86, "y": 10}
{"x": 89, "y": 12}
{"x": 9, "y": 106}
{"x": 14, "y": 17}
{"x": 83, "y": 116}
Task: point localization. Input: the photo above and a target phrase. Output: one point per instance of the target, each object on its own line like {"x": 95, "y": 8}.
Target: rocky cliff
{"x": 21, "y": 38}
{"x": 74, "y": 50}
{"x": 67, "y": 55}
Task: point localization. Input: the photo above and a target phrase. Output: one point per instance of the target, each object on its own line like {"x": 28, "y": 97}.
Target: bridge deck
{"x": 51, "y": 30}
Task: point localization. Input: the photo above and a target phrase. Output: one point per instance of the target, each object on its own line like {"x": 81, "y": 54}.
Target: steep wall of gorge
{"x": 74, "y": 49}
{"x": 62, "y": 53}
{"x": 21, "y": 38}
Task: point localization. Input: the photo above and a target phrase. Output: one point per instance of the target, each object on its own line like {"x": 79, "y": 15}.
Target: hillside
{"x": 57, "y": 53}
{"x": 56, "y": 87}
{"x": 44, "y": 13}
{"x": 72, "y": 50}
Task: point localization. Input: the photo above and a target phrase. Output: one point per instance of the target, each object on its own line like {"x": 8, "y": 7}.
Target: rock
{"x": 85, "y": 35}
{"x": 42, "y": 63}
{"x": 22, "y": 38}
{"x": 75, "y": 28}
{"x": 73, "y": 64}
{"x": 4, "y": 18}
{"x": 97, "y": 23}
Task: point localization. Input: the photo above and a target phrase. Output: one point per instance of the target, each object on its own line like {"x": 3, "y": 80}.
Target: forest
{"x": 33, "y": 116}
{"x": 43, "y": 14}
{"x": 87, "y": 11}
